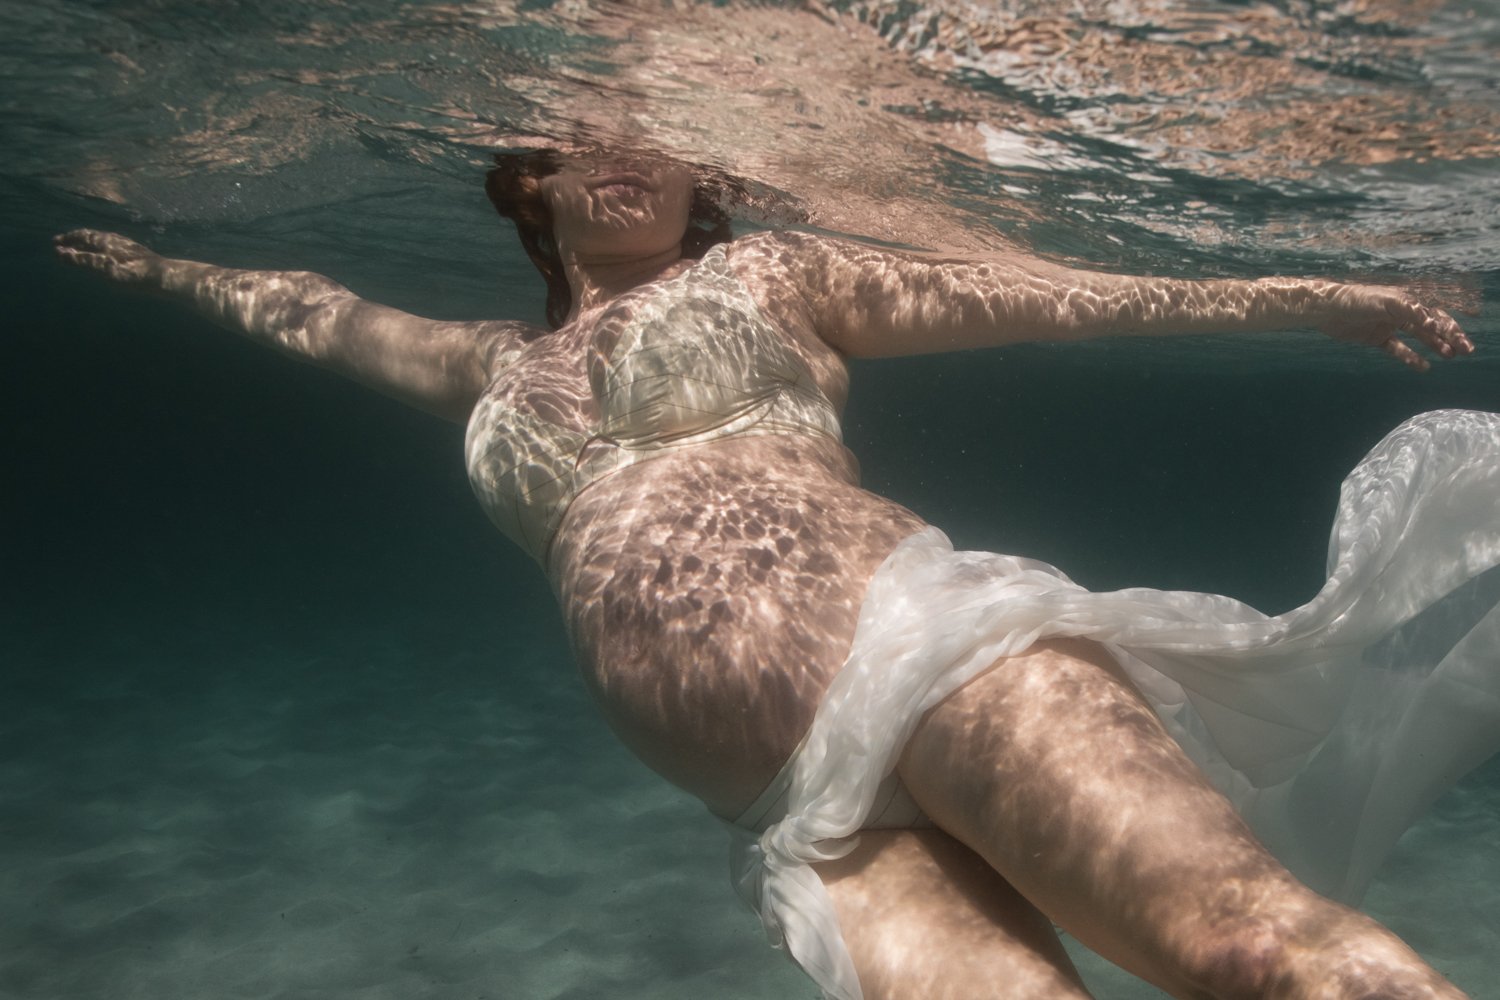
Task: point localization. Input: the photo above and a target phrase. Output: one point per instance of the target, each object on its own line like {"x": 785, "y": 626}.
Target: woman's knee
{"x": 1243, "y": 959}
{"x": 1314, "y": 949}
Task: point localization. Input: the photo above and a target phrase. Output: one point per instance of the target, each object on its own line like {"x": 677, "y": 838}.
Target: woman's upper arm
{"x": 438, "y": 366}
{"x": 874, "y": 302}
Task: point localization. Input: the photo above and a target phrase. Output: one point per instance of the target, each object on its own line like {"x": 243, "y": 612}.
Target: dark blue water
{"x": 282, "y": 715}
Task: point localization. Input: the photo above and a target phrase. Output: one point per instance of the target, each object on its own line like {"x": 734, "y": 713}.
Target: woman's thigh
{"x": 927, "y": 919}
{"x": 1054, "y": 769}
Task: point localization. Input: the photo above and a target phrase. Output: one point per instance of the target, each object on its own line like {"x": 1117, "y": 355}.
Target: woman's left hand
{"x": 1387, "y": 317}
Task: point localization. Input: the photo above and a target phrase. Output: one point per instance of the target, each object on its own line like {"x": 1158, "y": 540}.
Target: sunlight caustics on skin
{"x": 653, "y": 383}
{"x": 729, "y": 389}
{"x": 672, "y": 455}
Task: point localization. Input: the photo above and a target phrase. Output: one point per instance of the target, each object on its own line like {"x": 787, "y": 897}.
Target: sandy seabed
{"x": 365, "y": 816}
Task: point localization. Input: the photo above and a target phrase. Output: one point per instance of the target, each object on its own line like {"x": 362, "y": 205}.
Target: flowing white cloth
{"x": 1331, "y": 727}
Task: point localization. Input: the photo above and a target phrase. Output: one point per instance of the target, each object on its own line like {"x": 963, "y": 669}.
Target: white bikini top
{"x": 678, "y": 363}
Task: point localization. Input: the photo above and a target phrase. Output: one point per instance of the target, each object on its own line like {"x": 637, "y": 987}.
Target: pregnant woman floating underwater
{"x": 811, "y": 660}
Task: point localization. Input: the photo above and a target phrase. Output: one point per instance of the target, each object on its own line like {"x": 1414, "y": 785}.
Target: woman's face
{"x": 618, "y": 206}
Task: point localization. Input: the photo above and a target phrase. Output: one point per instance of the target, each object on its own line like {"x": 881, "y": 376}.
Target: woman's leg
{"x": 926, "y": 919}
{"x": 1054, "y": 769}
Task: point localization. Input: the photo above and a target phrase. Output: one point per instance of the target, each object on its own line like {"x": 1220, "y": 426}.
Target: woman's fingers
{"x": 1436, "y": 329}
{"x": 86, "y": 242}
{"x": 1391, "y": 319}
{"x": 1404, "y": 354}
{"x": 78, "y": 247}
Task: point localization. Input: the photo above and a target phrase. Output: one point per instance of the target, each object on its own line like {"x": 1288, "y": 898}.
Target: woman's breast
{"x": 676, "y": 368}
{"x": 667, "y": 367}
{"x": 712, "y": 594}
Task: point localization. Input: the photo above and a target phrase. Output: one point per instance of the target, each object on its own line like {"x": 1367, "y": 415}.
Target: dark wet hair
{"x": 513, "y": 188}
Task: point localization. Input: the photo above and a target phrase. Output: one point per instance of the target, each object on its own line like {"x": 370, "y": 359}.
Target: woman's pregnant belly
{"x": 712, "y": 594}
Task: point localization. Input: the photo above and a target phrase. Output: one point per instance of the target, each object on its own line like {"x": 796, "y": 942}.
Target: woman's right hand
{"x": 116, "y": 257}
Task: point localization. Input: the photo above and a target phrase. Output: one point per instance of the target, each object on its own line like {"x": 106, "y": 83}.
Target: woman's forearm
{"x": 277, "y": 308}
{"x": 1114, "y": 305}
{"x": 433, "y": 365}
{"x": 274, "y": 307}
{"x": 1110, "y": 305}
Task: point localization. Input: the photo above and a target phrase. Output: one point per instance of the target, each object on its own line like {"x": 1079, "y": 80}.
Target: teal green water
{"x": 282, "y": 715}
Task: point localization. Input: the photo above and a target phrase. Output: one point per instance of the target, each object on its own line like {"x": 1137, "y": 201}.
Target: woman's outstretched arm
{"x": 439, "y": 367}
{"x": 872, "y": 302}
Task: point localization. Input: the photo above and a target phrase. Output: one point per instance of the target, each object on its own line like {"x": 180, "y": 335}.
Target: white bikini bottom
{"x": 1330, "y": 728}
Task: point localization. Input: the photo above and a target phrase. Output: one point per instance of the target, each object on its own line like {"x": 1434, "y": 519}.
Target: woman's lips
{"x": 622, "y": 184}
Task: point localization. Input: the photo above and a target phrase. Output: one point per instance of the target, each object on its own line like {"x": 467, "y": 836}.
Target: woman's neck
{"x": 595, "y": 281}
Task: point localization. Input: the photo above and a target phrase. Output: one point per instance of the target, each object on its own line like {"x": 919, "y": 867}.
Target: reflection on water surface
{"x": 1144, "y": 134}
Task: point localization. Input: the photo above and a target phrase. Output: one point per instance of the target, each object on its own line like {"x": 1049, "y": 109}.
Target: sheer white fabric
{"x": 1330, "y": 727}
